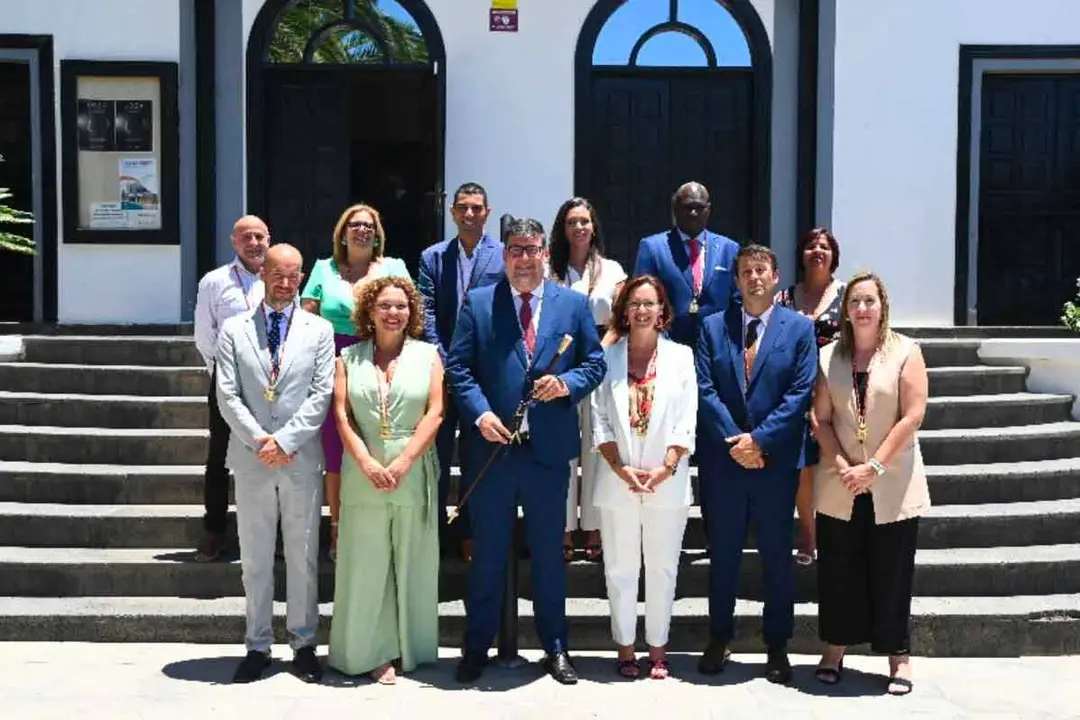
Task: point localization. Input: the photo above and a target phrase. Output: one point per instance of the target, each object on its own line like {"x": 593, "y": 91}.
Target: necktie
{"x": 528, "y": 334}
{"x": 696, "y": 263}
{"x": 273, "y": 333}
{"x": 751, "y": 347}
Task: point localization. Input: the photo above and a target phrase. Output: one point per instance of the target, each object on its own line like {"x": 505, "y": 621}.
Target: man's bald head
{"x": 690, "y": 208}
{"x": 282, "y": 274}
{"x": 694, "y": 190}
{"x": 283, "y": 254}
{"x": 250, "y": 239}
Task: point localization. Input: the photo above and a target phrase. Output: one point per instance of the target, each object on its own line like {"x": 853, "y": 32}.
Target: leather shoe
{"x": 471, "y": 666}
{"x": 560, "y": 667}
{"x": 210, "y": 547}
{"x": 251, "y": 667}
{"x": 777, "y": 666}
{"x": 306, "y": 665}
{"x": 714, "y": 659}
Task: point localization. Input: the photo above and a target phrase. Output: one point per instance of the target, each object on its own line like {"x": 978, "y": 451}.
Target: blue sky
{"x": 628, "y": 23}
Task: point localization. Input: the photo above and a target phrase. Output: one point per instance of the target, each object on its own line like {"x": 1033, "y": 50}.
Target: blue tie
{"x": 273, "y": 333}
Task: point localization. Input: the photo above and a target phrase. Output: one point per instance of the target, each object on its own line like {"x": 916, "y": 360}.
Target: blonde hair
{"x": 846, "y": 344}
{"x": 341, "y": 248}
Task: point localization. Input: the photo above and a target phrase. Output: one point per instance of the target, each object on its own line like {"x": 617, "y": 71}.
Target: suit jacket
{"x": 439, "y": 284}
{"x": 488, "y": 368}
{"x": 664, "y": 255}
{"x": 671, "y": 422}
{"x": 772, "y": 406}
{"x": 303, "y": 389}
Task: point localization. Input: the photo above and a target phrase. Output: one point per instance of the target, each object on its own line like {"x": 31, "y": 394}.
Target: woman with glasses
{"x": 577, "y": 261}
{"x": 644, "y": 415}
{"x": 357, "y": 258}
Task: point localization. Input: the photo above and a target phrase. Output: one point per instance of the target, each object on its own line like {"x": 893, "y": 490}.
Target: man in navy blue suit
{"x": 448, "y": 270}
{"x": 756, "y": 366}
{"x": 503, "y": 347}
{"x": 694, "y": 264}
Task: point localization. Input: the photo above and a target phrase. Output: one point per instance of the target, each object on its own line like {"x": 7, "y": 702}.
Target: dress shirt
{"x": 283, "y": 321}
{"x": 534, "y": 303}
{"x": 223, "y": 292}
{"x": 465, "y": 265}
{"x": 763, "y": 317}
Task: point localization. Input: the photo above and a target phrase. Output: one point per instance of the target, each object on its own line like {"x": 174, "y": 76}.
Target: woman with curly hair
{"x": 388, "y": 405}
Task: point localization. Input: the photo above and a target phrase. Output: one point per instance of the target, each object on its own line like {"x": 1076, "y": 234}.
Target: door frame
{"x": 37, "y": 52}
{"x": 757, "y": 39}
{"x": 258, "y": 48}
{"x": 976, "y": 61}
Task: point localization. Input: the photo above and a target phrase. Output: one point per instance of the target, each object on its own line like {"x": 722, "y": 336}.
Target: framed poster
{"x": 120, "y": 143}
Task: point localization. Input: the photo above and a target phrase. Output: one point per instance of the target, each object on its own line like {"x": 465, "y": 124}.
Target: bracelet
{"x": 879, "y": 469}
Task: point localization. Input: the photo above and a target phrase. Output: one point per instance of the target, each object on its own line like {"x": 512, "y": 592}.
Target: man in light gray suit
{"x": 275, "y": 373}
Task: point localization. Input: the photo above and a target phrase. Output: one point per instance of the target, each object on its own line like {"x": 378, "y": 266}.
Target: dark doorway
{"x": 1029, "y": 198}
{"x": 17, "y": 175}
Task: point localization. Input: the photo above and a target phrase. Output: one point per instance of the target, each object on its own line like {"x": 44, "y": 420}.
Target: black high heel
{"x": 829, "y": 676}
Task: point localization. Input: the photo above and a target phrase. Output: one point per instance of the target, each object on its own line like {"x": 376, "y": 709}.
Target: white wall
{"x": 113, "y": 283}
{"x": 895, "y": 135}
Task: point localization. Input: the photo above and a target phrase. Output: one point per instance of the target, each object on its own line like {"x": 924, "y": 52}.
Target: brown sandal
{"x": 628, "y": 669}
{"x": 658, "y": 670}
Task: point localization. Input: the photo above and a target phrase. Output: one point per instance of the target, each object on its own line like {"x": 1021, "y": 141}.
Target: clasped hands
{"x": 270, "y": 453}
{"x": 745, "y": 451}
{"x": 856, "y": 478}
{"x": 640, "y": 481}
{"x": 385, "y": 479}
{"x": 547, "y": 388}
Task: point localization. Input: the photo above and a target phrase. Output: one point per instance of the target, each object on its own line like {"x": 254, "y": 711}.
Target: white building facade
{"x": 938, "y": 139}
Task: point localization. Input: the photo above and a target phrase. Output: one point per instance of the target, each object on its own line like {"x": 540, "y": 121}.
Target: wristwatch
{"x": 879, "y": 469}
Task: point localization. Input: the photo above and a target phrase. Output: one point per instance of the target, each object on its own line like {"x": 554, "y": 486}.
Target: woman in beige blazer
{"x": 870, "y": 486}
{"x": 644, "y": 414}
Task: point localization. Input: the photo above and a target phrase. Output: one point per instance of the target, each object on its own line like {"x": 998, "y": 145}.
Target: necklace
{"x": 385, "y": 378}
{"x": 861, "y": 432}
{"x": 641, "y": 397}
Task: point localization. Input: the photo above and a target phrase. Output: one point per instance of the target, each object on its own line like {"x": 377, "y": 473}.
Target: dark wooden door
{"x": 16, "y": 174}
{"x": 653, "y": 130}
{"x": 1029, "y": 198}
{"x": 307, "y": 158}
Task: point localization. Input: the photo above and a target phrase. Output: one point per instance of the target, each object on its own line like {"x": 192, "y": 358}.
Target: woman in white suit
{"x": 644, "y": 414}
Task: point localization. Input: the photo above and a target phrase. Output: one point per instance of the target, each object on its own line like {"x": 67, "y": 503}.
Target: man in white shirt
{"x": 231, "y": 289}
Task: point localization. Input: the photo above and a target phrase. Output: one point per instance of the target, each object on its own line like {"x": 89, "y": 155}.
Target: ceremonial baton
{"x": 515, "y": 428}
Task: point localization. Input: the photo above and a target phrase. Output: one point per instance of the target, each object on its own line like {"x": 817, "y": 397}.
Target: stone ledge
{"x": 12, "y": 348}
{"x": 1053, "y": 363}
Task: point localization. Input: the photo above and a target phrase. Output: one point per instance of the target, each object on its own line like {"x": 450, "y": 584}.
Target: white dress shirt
{"x": 603, "y": 294}
{"x": 763, "y": 317}
{"x": 223, "y": 292}
{"x": 465, "y": 264}
{"x": 534, "y": 303}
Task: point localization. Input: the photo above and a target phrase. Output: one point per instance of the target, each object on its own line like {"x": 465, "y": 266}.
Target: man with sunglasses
{"x": 508, "y": 346}
{"x": 448, "y": 270}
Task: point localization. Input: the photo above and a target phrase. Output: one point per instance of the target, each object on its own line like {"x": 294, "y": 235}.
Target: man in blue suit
{"x": 756, "y": 366}
{"x": 448, "y": 270}
{"x": 505, "y": 348}
{"x": 694, "y": 264}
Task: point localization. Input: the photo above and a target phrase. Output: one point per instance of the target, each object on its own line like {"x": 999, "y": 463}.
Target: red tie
{"x": 696, "y": 264}
{"x": 527, "y": 331}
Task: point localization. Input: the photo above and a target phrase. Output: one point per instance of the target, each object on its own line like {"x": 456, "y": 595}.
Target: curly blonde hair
{"x": 368, "y": 292}
{"x": 341, "y": 247}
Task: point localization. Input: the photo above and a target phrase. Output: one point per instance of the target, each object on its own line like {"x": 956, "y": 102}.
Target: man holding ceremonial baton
{"x": 506, "y": 348}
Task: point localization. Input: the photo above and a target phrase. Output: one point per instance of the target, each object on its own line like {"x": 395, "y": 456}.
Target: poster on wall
{"x": 134, "y": 125}
{"x": 97, "y": 125}
{"x": 138, "y": 189}
{"x": 503, "y": 16}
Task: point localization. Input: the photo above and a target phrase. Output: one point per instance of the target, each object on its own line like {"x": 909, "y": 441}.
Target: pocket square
{"x": 720, "y": 267}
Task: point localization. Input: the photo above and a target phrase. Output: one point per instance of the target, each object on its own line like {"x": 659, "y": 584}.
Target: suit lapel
{"x": 483, "y": 252}
{"x": 255, "y": 329}
{"x": 663, "y": 387}
{"x": 293, "y": 343}
{"x": 712, "y": 246}
{"x": 735, "y": 346}
{"x": 681, "y": 258}
{"x": 449, "y": 268}
{"x": 547, "y": 318}
{"x": 620, "y": 391}
{"x": 506, "y": 321}
{"x": 773, "y": 330}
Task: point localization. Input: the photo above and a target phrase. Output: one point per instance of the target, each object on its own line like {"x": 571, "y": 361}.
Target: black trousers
{"x": 216, "y": 480}
{"x": 865, "y": 574}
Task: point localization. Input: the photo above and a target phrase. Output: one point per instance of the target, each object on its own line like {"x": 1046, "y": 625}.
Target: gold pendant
{"x": 693, "y": 306}
{"x": 861, "y": 433}
{"x": 270, "y": 393}
{"x": 384, "y": 429}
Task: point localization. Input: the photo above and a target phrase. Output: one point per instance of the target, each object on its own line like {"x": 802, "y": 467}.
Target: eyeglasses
{"x": 643, "y": 305}
{"x": 464, "y": 208}
{"x": 529, "y": 251}
{"x": 386, "y": 308}
{"x": 358, "y": 224}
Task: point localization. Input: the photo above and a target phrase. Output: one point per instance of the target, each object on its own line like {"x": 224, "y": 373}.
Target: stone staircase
{"x": 100, "y": 505}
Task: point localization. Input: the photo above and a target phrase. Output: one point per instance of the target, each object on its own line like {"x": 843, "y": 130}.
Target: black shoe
{"x": 714, "y": 659}
{"x": 777, "y": 666}
{"x": 559, "y": 666}
{"x": 306, "y": 665}
{"x": 210, "y": 547}
{"x": 251, "y": 667}
{"x": 471, "y": 666}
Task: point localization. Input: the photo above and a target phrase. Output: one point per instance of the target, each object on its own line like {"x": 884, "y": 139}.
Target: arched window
{"x": 672, "y": 33}
{"x": 343, "y": 32}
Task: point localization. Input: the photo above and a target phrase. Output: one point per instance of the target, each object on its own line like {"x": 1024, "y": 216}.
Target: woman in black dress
{"x": 818, "y": 296}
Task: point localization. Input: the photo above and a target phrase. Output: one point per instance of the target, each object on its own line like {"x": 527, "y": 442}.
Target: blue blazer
{"x": 487, "y": 367}
{"x": 664, "y": 255}
{"x": 772, "y": 406}
{"x": 438, "y": 284}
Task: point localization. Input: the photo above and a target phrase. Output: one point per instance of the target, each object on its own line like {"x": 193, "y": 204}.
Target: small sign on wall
{"x": 504, "y": 16}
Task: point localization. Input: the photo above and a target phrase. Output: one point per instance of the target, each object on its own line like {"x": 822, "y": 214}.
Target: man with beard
{"x": 694, "y": 264}
{"x": 226, "y": 291}
{"x": 756, "y": 366}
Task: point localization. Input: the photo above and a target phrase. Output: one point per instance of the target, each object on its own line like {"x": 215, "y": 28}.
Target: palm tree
{"x": 11, "y": 241}
{"x": 348, "y": 42}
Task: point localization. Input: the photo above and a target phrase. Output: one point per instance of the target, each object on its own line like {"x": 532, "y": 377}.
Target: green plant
{"x": 1070, "y": 313}
{"x": 8, "y": 240}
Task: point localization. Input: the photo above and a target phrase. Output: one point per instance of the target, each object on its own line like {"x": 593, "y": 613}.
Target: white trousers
{"x": 580, "y": 492}
{"x": 260, "y": 499}
{"x": 629, "y": 533}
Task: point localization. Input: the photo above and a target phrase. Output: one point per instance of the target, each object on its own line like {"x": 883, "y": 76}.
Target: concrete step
{"x": 29, "y": 377}
{"x": 980, "y": 332}
{"x": 950, "y": 352}
{"x": 1003, "y": 410}
{"x": 61, "y": 572}
{"x": 1047, "y": 522}
{"x": 103, "y": 411}
{"x": 976, "y": 380}
{"x": 941, "y": 626}
{"x": 1004, "y": 482}
{"x": 1000, "y": 445}
{"x": 102, "y": 445}
{"x": 28, "y": 329}
{"x": 112, "y": 350}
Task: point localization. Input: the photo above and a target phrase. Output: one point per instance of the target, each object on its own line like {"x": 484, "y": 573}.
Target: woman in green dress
{"x": 388, "y": 402}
